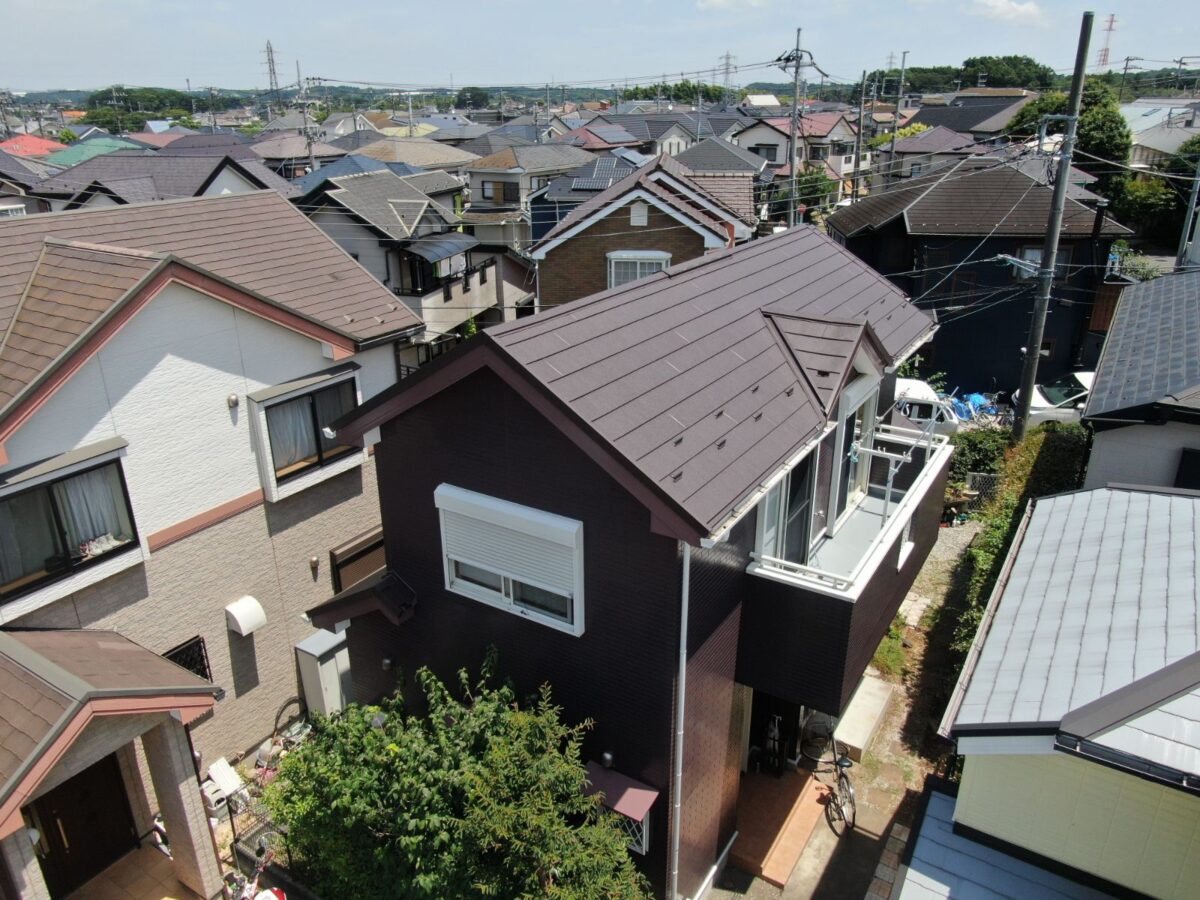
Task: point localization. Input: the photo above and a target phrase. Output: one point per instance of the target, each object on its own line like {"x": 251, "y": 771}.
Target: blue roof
{"x": 945, "y": 865}
{"x": 352, "y": 164}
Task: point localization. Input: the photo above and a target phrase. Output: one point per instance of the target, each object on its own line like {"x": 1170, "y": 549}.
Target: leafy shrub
{"x": 1049, "y": 461}
{"x": 483, "y": 796}
{"x": 978, "y": 450}
{"x": 889, "y": 655}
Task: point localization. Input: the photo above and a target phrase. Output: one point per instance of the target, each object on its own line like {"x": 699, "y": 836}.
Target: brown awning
{"x": 383, "y": 592}
{"x": 622, "y": 794}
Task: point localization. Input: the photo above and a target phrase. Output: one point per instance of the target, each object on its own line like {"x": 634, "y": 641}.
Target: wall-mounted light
{"x": 232, "y": 400}
{"x": 314, "y": 563}
{"x": 606, "y": 759}
{"x": 386, "y": 664}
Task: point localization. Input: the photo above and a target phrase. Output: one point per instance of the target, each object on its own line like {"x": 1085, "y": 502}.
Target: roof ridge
{"x": 12, "y": 321}
{"x": 115, "y": 249}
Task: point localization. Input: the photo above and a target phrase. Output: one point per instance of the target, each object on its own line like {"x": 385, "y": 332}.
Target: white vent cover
{"x": 245, "y": 616}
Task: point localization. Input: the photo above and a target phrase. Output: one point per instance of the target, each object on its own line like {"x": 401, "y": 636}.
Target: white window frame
{"x": 861, "y": 392}
{"x": 539, "y": 525}
{"x": 653, "y": 260}
{"x": 639, "y": 214}
{"x": 907, "y": 544}
{"x": 84, "y": 577}
{"x": 13, "y": 211}
{"x": 778, "y": 494}
{"x": 273, "y": 489}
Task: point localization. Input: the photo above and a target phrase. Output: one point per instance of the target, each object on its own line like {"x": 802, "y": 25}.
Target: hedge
{"x": 1049, "y": 461}
{"x": 978, "y": 450}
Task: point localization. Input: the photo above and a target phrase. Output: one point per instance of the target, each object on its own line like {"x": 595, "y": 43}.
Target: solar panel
{"x": 590, "y": 184}
{"x": 605, "y": 165}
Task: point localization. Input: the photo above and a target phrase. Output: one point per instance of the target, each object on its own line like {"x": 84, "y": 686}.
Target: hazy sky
{"x": 90, "y": 43}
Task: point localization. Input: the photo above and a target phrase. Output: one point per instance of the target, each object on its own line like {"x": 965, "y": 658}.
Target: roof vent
{"x": 679, "y": 440}
{"x": 721, "y": 443}
{"x": 677, "y": 475}
{"x": 788, "y": 392}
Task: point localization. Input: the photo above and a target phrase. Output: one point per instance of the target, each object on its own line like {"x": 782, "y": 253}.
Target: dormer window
{"x": 639, "y": 214}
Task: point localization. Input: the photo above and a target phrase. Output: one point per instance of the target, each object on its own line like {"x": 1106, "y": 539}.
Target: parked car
{"x": 918, "y": 402}
{"x": 1060, "y": 400}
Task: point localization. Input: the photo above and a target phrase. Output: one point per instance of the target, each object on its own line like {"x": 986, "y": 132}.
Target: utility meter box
{"x": 324, "y": 662}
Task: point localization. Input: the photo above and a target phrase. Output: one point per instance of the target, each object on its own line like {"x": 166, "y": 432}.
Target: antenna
{"x": 1110, "y": 26}
{"x": 272, "y": 76}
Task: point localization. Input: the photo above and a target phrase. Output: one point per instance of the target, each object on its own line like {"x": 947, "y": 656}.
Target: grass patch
{"x": 890, "y": 658}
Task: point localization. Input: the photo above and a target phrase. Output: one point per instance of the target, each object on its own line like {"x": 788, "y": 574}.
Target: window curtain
{"x": 92, "y": 505}
{"x": 28, "y": 536}
{"x": 289, "y": 426}
{"x": 332, "y": 404}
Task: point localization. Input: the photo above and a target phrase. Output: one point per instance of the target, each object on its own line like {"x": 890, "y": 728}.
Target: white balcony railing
{"x": 845, "y": 560}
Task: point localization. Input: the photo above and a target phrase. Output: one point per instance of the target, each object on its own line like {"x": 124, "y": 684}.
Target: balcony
{"x": 904, "y": 465}
{"x": 448, "y": 302}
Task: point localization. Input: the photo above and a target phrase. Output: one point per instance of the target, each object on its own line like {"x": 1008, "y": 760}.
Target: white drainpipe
{"x": 680, "y": 692}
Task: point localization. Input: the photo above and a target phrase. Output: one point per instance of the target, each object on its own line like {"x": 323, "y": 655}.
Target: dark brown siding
{"x": 711, "y": 755}
{"x": 812, "y": 649}
{"x": 579, "y": 266}
{"x": 481, "y": 436}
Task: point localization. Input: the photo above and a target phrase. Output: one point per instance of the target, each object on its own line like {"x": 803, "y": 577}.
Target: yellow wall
{"x": 1108, "y": 823}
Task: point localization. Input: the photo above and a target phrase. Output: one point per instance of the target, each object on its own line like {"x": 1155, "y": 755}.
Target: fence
{"x": 985, "y": 484}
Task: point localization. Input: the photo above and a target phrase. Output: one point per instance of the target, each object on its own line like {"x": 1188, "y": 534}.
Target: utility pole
{"x": 1037, "y": 327}
{"x": 1185, "y": 235}
{"x": 1124, "y": 73}
{"x": 410, "y": 121}
{"x": 899, "y": 100}
{"x": 862, "y": 102}
{"x": 792, "y": 155}
{"x": 212, "y": 108}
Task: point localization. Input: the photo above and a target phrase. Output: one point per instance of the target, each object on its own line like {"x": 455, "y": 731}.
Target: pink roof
{"x": 154, "y": 140}
{"x": 622, "y": 794}
{"x": 30, "y": 145}
{"x": 810, "y": 125}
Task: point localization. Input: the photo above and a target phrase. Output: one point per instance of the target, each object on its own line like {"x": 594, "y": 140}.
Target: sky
{"x": 163, "y": 43}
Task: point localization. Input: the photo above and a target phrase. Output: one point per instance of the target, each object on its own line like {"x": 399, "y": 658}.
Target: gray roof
{"x": 293, "y": 146}
{"x": 586, "y": 181}
{"x": 19, "y": 170}
{"x": 975, "y": 196}
{"x": 938, "y": 139}
{"x": 1166, "y": 138}
{"x": 433, "y": 182}
{"x": 946, "y": 865}
{"x": 1102, "y": 593}
{"x": 289, "y": 121}
{"x": 716, "y": 155}
{"x": 235, "y": 145}
{"x": 137, "y": 179}
{"x": 1152, "y": 354}
{"x": 388, "y": 203}
{"x": 351, "y": 164}
{"x": 495, "y": 141}
{"x": 971, "y": 114}
{"x": 459, "y": 132}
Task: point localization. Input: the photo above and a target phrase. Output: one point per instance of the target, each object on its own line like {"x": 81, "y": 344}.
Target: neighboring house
{"x": 84, "y": 132}
{"x": 554, "y": 202}
{"x": 495, "y": 141}
{"x": 350, "y": 164}
{"x": 408, "y": 241}
{"x": 940, "y": 237}
{"x": 167, "y": 372}
{"x": 983, "y": 116}
{"x": 339, "y": 124}
{"x": 457, "y": 135}
{"x": 1144, "y": 406}
{"x": 420, "y": 152}
{"x": 1149, "y": 112}
{"x": 1154, "y": 147}
{"x": 293, "y": 120}
{"x": 825, "y": 141}
{"x": 160, "y": 139}
{"x": 1077, "y": 712}
{"x": 93, "y": 147}
{"x": 673, "y": 132}
{"x": 19, "y": 176}
{"x": 292, "y": 156}
{"x": 501, "y": 184}
{"x": 116, "y": 179}
{"x": 655, "y": 217}
{"x": 235, "y": 145}
{"x": 598, "y": 137}
{"x": 716, "y": 159}
{"x": 922, "y": 154}
{"x": 678, "y": 477}
{"x": 31, "y": 145}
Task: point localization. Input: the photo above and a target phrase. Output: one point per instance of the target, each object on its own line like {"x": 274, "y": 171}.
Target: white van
{"x": 920, "y": 403}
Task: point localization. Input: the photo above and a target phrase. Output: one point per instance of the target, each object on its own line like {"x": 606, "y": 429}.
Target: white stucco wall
{"x": 228, "y": 182}
{"x": 764, "y": 134}
{"x": 162, "y": 384}
{"x": 1139, "y": 454}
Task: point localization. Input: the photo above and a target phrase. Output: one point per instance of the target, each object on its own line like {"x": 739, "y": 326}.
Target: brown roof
{"x": 535, "y": 158}
{"x": 416, "y": 152}
{"x": 735, "y": 191}
{"x": 258, "y": 241}
{"x": 293, "y": 146}
{"x": 48, "y": 675}
{"x": 71, "y": 287}
{"x": 978, "y": 195}
{"x": 681, "y": 376}
{"x": 642, "y": 180}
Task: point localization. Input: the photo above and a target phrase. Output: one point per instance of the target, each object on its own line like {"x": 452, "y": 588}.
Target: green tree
{"x": 472, "y": 98}
{"x": 1007, "y": 71}
{"x": 1150, "y": 205}
{"x": 1102, "y": 137}
{"x": 250, "y": 129}
{"x": 482, "y": 796}
{"x": 1186, "y": 160}
{"x": 66, "y": 136}
{"x": 813, "y": 190}
{"x": 188, "y": 121}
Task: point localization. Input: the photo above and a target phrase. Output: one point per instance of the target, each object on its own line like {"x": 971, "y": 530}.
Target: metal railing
{"x": 893, "y": 512}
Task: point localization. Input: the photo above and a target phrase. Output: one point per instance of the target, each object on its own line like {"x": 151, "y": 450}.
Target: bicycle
{"x": 816, "y": 734}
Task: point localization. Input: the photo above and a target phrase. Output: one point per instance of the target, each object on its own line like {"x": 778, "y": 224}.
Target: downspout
{"x": 680, "y": 692}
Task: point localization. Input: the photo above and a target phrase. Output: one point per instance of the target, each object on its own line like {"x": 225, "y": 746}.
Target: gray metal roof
{"x": 716, "y": 155}
{"x": 442, "y": 246}
{"x": 387, "y": 202}
{"x": 1102, "y": 593}
{"x": 137, "y": 179}
{"x": 946, "y": 865}
{"x": 1152, "y": 354}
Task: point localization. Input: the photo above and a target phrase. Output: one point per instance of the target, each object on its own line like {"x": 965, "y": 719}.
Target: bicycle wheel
{"x": 846, "y": 801}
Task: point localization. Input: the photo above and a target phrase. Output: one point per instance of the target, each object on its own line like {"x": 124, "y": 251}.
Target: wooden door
{"x": 86, "y": 826}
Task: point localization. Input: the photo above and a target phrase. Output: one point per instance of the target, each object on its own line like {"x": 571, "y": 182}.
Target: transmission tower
{"x": 272, "y": 76}
{"x": 1109, "y": 27}
{"x": 728, "y": 67}
{"x": 891, "y": 61}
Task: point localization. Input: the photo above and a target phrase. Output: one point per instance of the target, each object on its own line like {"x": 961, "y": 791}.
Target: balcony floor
{"x": 842, "y": 552}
